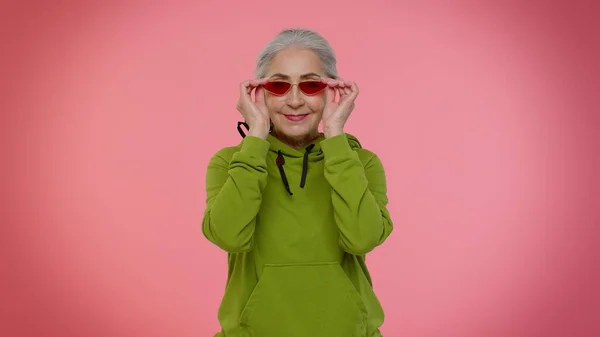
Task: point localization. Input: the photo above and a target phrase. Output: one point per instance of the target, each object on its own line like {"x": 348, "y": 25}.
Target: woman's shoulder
{"x": 364, "y": 153}
{"x": 225, "y": 153}
{"x": 367, "y": 156}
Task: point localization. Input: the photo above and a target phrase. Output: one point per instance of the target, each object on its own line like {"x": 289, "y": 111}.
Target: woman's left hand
{"x": 335, "y": 114}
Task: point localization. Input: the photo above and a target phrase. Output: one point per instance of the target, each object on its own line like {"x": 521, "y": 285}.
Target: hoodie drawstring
{"x": 280, "y": 161}
{"x": 305, "y": 165}
{"x": 244, "y": 124}
{"x": 239, "y": 128}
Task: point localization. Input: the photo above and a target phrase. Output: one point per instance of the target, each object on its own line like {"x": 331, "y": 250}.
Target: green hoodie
{"x": 297, "y": 225}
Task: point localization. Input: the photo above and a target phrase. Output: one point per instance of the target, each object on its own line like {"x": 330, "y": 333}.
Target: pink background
{"x": 485, "y": 115}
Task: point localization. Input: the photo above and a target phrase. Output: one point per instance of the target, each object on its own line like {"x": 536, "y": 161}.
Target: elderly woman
{"x": 297, "y": 209}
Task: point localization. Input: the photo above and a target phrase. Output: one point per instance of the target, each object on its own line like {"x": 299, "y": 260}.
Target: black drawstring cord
{"x": 242, "y": 133}
{"x": 239, "y": 128}
{"x": 305, "y": 165}
{"x": 280, "y": 162}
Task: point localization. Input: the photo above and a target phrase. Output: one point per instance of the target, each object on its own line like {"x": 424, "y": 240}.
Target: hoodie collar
{"x": 278, "y": 146}
{"x": 310, "y": 153}
{"x": 315, "y": 146}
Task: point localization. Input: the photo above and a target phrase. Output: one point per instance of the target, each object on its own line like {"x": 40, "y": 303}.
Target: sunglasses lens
{"x": 277, "y": 88}
{"x": 308, "y": 87}
{"x": 311, "y": 87}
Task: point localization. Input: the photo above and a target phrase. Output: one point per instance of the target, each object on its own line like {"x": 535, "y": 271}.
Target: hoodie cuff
{"x": 255, "y": 147}
{"x": 336, "y": 145}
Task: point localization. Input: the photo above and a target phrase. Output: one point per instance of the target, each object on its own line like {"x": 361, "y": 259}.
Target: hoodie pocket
{"x": 310, "y": 300}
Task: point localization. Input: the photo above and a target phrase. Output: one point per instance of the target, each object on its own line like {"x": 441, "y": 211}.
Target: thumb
{"x": 330, "y": 94}
{"x": 259, "y": 95}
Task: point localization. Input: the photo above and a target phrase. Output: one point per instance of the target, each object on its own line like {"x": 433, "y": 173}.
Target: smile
{"x": 296, "y": 118}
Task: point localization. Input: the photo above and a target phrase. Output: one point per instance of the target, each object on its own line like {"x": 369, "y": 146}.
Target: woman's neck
{"x": 296, "y": 142}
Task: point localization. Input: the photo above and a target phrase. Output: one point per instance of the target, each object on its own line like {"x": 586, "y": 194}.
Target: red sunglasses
{"x": 307, "y": 87}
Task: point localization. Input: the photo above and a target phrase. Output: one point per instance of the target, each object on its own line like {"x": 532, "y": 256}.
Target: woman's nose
{"x": 295, "y": 98}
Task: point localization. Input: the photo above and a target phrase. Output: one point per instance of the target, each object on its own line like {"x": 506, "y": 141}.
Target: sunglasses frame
{"x": 295, "y": 84}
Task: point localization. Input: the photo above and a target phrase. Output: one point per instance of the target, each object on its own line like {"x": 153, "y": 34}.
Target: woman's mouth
{"x": 296, "y": 118}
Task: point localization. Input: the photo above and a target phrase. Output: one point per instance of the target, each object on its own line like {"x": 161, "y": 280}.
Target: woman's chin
{"x": 295, "y": 132}
{"x": 295, "y": 129}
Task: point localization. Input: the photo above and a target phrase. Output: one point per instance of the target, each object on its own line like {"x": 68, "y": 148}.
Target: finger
{"x": 349, "y": 88}
{"x": 244, "y": 88}
{"x": 258, "y": 82}
{"x": 250, "y": 85}
{"x": 331, "y": 82}
{"x": 259, "y": 95}
{"x": 341, "y": 83}
{"x": 344, "y": 91}
{"x": 330, "y": 93}
{"x": 354, "y": 90}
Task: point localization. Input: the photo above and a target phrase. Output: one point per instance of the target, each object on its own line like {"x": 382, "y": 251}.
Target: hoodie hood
{"x": 310, "y": 153}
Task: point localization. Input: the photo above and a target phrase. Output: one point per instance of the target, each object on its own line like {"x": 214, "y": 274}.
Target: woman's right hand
{"x": 255, "y": 113}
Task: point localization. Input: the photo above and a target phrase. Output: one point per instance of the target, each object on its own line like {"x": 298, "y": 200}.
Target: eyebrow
{"x": 307, "y": 75}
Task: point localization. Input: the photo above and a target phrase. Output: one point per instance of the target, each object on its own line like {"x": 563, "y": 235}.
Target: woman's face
{"x": 294, "y": 114}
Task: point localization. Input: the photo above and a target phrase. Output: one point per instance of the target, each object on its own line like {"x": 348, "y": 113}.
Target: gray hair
{"x": 303, "y": 38}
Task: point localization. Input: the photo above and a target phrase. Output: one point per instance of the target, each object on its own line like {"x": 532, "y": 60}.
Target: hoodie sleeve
{"x": 234, "y": 195}
{"x": 359, "y": 196}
